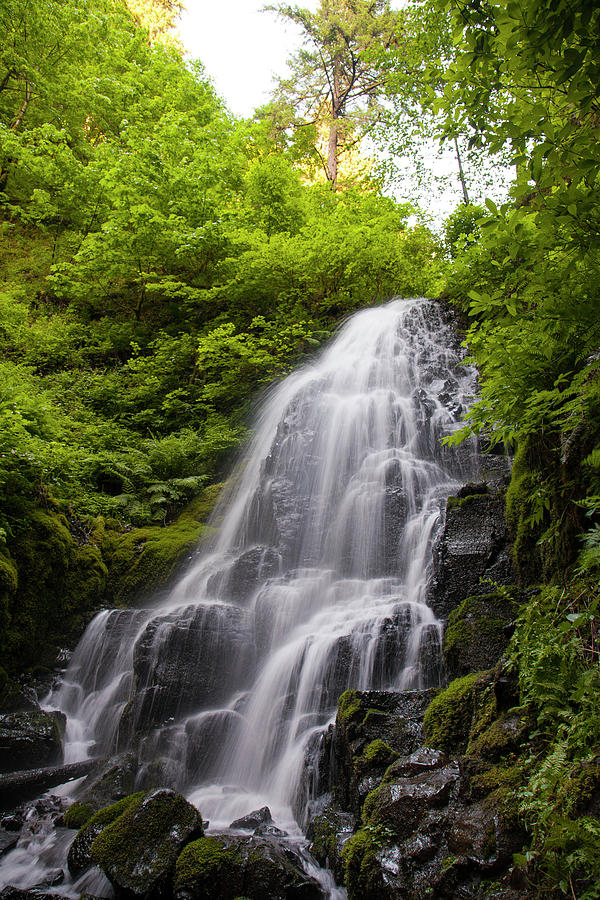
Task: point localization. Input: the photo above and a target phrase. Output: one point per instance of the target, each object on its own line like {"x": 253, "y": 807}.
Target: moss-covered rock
{"x": 78, "y": 857}
{"x": 144, "y": 559}
{"x": 225, "y": 867}
{"x": 328, "y": 834}
{"x": 448, "y": 718}
{"x": 363, "y": 875}
{"x": 57, "y": 573}
{"x": 77, "y": 815}
{"x": 138, "y": 850}
{"x": 207, "y": 869}
{"x": 475, "y": 636}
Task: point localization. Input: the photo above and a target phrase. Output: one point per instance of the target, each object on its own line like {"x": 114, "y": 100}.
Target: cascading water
{"x": 316, "y": 582}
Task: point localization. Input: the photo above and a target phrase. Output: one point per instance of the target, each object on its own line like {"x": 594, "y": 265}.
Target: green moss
{"x": 144, "y": 559}
{"x": 108, "y": 814}
{"x": 349, "y": 707}
{"x": 78, "y": 814}
{"x": 374, "y": 716}
{"x": 448, "y": 718}
{"x": 203, "y": 864}
{"x": 65, "y": 573}
{"x": 138, "y": 844}
{"x": 323, "y": 846}
{"x": 525, "y": 550}
{"x": 362, "y": 871}
{"x": 377, "y": 753}
{"x": 9, "y": 576}
{"x": 496, "y": 780}
{"x": 371, "y": 803}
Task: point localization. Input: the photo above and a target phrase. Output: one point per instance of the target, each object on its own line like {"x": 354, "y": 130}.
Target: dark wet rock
{"x": 13, "y": 822}
{"x": 8, "y": 840}
{"x": 20, "y": 786}
{"x": 223, "y": 867}
{"x": 109, "y": 780}
{"x": 138, "y": 850}
{"x": 33, "y": 893}
{"x": 30, "y": 739}
{"x": 268, "y": 829}
{"x": 15, "y": 697}
{"x": 328, "y": 832}
{"x": 187, "y": 661}
{"x": 51, "y": 879}
{"x": 475, "y": 637}
{"x": 372, "y": 728}
{"x": 206, "y": 735}
{"x": 473, "y": 545}
{"x": 257, "y": 817}
{"x": 404, "y": 803}
{"x": 245, "y": 575}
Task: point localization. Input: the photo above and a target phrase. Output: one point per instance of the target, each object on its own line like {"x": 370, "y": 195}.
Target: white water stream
{"x": 316, "y": 582}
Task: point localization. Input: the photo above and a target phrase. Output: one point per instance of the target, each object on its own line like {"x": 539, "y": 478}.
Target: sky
{"x": 241, "y": 47}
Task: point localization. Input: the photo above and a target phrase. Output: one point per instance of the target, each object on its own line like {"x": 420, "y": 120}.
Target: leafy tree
{"x": 334, "y": 82}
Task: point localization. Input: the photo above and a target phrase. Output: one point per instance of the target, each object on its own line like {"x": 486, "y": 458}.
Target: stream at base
{"x": 316, "y": 582}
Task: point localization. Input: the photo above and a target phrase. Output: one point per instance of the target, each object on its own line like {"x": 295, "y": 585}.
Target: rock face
{"x": 474, "y": 545}
{"x": 110, "y": 780}
{"x": 139, "y": 849}
{"x": 172, "y": 677}
{"x": 30, "y": 739}
{"x": 223, "y": 867}
{"x": 477, "y": 633}
{"x": 407, "y": 821}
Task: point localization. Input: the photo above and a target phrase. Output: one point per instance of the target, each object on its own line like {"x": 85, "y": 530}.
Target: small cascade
{"x": 315, "y": 583}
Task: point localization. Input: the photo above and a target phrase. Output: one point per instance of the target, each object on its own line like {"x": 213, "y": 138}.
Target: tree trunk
{"x": 333, "y": 143}
{"x": 461, "y": 175}
{"x": 332, "y": 154}
{"x": 23, "y": 110}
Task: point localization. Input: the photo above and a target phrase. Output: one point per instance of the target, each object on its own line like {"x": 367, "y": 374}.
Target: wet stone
{"x": 8, "y": 840}
{"x": 258, "y": 817}
{"x": 30, "y": 739}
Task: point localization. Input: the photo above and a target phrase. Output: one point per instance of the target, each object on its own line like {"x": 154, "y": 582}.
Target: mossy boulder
{"x": 78, "y": 857}
{"x": 139, "y": 849}
{"x": 109, "y": 781}
{"x": 476, "y": 634}
{"x": 225, "y": 867}
{"x": 77, "y": 815}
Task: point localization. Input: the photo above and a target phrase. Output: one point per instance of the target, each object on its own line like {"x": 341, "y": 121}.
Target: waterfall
{"x": 316, "y": 581}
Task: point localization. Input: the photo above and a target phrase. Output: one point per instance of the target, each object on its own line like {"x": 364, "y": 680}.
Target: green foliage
{"x": 555, "y": 648}
{"x": 461, "y": 228}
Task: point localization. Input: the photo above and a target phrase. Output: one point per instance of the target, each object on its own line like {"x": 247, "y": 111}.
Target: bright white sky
{"x": 241, "y": 47}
